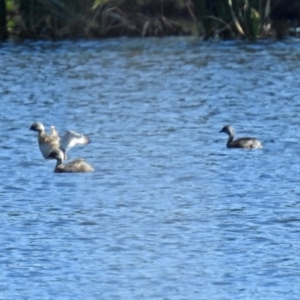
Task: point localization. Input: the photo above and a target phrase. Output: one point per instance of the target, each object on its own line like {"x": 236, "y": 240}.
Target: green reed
{"x": 232, "y": 18}
{"x": 59, "y": 19}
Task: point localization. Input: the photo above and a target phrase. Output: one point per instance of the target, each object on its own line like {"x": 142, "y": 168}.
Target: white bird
{"x": 53, "y": 141}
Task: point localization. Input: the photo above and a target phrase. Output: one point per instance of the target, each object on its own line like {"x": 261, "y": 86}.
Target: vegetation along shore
{"x": 72, "y": 19}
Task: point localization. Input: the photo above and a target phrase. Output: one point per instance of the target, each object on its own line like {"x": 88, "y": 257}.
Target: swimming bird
{"x": 75, "y": 166}
{"x": 246, "y": 142}
{"x": 47, "y": 143}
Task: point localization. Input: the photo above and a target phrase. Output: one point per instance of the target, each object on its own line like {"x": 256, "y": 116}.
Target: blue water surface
{"x": 170, "y": 212}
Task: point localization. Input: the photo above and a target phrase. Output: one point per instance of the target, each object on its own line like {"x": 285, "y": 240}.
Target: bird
{"x": 75, "y": 166}
{"x": 47, "y": 143}
{"x": 246, "y": 142}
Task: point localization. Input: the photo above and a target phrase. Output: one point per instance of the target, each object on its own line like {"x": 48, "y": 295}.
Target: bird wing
{"x": 54, "y": 132}
{"x": 72, "y": 138}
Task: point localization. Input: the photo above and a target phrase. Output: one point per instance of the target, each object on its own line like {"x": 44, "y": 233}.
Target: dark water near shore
{"x": 170, "y": 212}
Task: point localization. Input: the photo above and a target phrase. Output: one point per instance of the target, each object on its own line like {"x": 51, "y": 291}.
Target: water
{"x": 170, "y": 212}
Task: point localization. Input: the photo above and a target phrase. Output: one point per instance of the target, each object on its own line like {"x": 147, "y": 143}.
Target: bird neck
{"x": 230, "y": 137}
{"x": 41, "y": 132}
{"x": 58, "y": 162}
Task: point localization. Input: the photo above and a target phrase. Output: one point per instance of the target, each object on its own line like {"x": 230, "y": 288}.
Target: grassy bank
{"x": 61, "y": 19}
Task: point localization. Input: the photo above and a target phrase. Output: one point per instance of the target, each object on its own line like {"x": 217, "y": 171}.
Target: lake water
{"x": 170, "y": 212}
